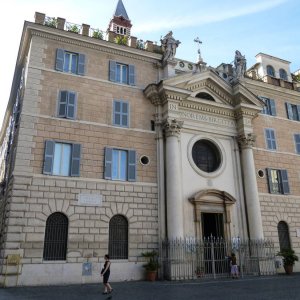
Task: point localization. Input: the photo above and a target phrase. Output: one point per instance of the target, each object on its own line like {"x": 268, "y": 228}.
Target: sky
{"x": 223, "y": 26}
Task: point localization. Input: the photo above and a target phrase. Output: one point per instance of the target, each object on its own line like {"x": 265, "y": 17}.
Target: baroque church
{"x": 113, "y": 145}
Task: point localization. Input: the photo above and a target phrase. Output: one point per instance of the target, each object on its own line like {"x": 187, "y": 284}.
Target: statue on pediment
{"x": 169, "y": 46}
{"x": 239, "y": 64}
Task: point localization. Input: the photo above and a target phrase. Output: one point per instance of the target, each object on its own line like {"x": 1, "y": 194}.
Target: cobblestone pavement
{"x": 256, "y": 288}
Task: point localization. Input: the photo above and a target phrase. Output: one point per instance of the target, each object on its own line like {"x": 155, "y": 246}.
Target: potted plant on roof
{"x": 152, "y": 264}
{"x": 97, "y": 34}
{"x": 289, "y": 258}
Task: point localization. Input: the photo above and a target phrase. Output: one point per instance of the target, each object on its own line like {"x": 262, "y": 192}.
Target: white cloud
{"x": 207, "y": 17}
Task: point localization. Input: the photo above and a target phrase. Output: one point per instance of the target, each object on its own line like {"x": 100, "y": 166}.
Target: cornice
{"x": 208, "y": 109}
{"x": 110, "y": 48}
{"x": 273, "y": 89}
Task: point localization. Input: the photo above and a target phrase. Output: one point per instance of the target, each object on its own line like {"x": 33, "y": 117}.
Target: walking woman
{"x": 105, "y": 272}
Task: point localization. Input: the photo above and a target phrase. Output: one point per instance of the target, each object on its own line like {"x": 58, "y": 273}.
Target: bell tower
{"x": 120, "y": 23}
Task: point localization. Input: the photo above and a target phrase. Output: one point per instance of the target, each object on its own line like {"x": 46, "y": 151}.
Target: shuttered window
{"x": 120, "y": 164}
{"x": 118, "y": 237}
{"x": 70, "y": 62}
{"x": 270, "y": 139}
{"x": 269, "y": 108}
{"x": 278, "y": 182}
{"x": 284, "y": 236}
{"x": 297, "y": 143}
{"x": 121, "y": 73}
{"x": 121, "y": 113}
{"x": 67, "y": 105}
{"x": 56, "y": 237}
{"x": 62, "y": 159}
{"x": 293, "y": 111}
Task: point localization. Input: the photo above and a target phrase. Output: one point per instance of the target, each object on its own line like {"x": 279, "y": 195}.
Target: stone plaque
{"x": 90, "y": 199}
{"x": 87, "y": 269}
{"x": 298, "y": 232}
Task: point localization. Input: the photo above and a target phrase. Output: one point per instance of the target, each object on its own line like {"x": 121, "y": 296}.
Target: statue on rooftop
{"x": 169, "y": 45}
{"x": 239, "y": 64}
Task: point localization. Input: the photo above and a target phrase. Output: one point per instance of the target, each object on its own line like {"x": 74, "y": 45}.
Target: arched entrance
{"x": 212, "y": 213}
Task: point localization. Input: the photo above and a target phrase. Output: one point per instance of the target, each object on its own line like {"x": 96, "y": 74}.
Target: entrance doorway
{"x": 212, "y": 225}
{"x": 214, "y": 249}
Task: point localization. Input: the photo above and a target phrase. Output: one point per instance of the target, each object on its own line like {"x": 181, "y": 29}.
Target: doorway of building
{"x": 214, "y": 250}
{"x": 212, "y": 225}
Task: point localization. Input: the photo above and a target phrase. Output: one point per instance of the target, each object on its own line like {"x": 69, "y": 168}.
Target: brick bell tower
{"x": 120, "y": 23}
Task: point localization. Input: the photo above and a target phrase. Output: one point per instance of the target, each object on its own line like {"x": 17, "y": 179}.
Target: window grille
{"x": 284, "y": 235}
{"x": 56, "y": 236}
{"x": 118, "y": 237}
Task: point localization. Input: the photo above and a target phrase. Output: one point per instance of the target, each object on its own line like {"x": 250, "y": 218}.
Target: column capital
{"x": 172, "y": 127}
{"x": 246, "y": 140}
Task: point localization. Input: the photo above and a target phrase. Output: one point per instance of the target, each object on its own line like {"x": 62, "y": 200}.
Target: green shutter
{"x": 298, "y": 111}
{"x": 131, "y": 165}
{"x": 272, "y": 107}
{"x": 285, "y": 181}
{"x": 48, "y": 157}
{"x": 59, "y": 64}
{"x": 125, "y": 114}
{"x": 81, "y": 64}
{"x": 270, "y": 184}
{"x": 112, "y": 70}
{"x": 289, "y": 110}
{"x": 131, "y": 75}
{"x": 75, "y": 160}
{"x": 108, "y": 163}
{"x": 62, "y": 104}
{"x": 297, "y": 143}
{"x": 71, "y": 107}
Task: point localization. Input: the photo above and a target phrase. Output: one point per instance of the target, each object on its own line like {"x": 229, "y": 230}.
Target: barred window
{"x": 56, "y": 236}
{"x": 284, "y": 235}
{"x": 118, "y": 237}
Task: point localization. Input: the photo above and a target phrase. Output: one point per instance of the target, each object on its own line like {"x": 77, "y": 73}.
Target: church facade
{"x": 111, "y": 146}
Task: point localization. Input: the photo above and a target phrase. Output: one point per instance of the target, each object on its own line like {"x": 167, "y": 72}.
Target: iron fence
{"x": 189, "y": 258}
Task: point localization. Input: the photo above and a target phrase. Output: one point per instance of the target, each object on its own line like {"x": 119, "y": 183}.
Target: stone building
{"x": 110, "y": 148}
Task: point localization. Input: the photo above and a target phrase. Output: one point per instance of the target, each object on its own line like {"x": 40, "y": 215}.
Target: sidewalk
{"x": 265, "y": 288}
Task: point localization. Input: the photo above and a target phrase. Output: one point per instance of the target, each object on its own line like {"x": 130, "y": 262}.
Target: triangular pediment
{"x": 197, "y": 87}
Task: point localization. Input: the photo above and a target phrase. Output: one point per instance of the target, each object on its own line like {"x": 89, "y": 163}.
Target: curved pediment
{"x": 212, "y": 196}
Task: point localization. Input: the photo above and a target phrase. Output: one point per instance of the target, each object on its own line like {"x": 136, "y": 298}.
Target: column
{"x": 250, "y": 185}
{"x": 173, "y": 179}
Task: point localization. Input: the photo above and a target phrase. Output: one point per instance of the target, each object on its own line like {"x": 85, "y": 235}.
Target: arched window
{"x": 118, "y": 237}
{"x": 283, "y": 74}
{"x": 205, "y": 96}
{"x": 56, "y": 237}
{"x": 284, "y": 235}
{"x": 270, "y": 71}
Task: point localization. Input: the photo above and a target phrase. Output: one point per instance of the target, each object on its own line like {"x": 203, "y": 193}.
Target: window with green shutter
{"x": 278, "y": 182}
{"x": 270, "y": 139}
{"x": 120, "y": 164}
{"x": 269, "y": 108}
{"x": 67, "y": 105}
{"x": 121, "y": 113}
{"x": 293, "y": 111}
{"x": 297, "y": 143}
{"x": 62, "y": 159}
{"x": 121, "y": 73}
{"x": 70, "y": 62}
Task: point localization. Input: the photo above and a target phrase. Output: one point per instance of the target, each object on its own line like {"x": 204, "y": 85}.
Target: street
{"x": 252, "y": 288}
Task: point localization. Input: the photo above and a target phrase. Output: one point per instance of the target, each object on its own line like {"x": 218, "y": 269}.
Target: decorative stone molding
{"x": 107, "y": 47}
{"x": 172, "y": 127}
{"x": 246, "y": 141}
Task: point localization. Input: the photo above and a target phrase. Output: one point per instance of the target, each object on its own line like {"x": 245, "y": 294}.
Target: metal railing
{"x": 183, "y": 259}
